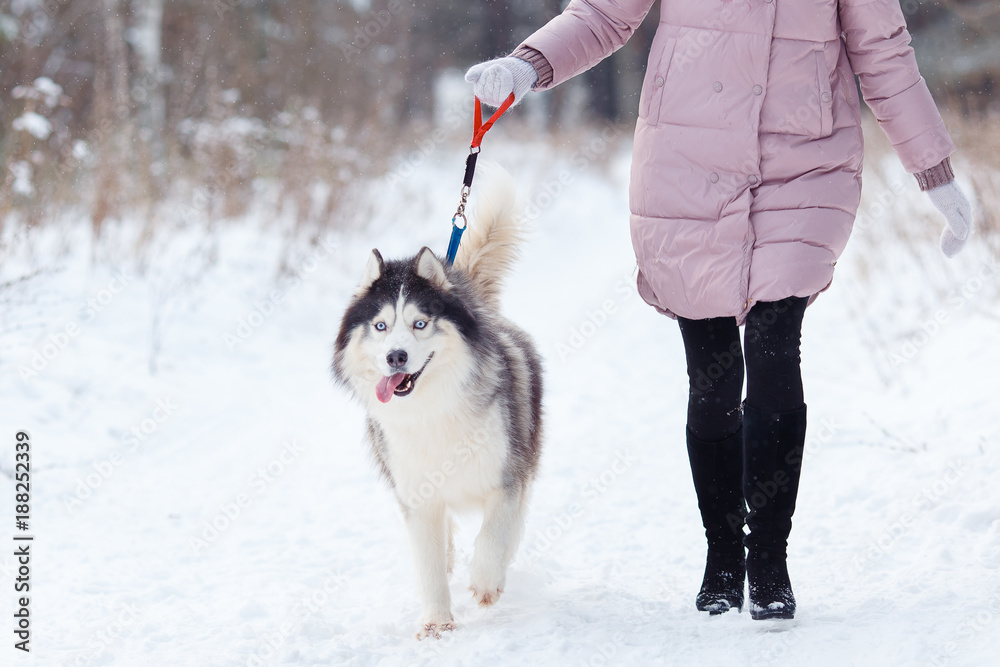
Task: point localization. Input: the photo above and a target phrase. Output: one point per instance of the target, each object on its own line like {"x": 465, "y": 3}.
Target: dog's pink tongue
{"x": 387, "y": 385}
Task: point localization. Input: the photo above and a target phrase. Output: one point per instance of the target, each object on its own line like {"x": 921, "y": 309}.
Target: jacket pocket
{"x": 651, "y": 97}
{"x": 825, "y": 96}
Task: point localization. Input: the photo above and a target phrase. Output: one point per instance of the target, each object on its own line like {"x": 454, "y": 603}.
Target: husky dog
{"x": 453, "y": 393}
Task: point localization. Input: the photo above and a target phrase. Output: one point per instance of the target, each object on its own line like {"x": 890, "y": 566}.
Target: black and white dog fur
{"x": 453, "y": 394}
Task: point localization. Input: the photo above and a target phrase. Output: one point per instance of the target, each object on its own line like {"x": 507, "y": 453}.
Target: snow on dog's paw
{"x": 486, "y": 596}
{"x": 434, "y": 629}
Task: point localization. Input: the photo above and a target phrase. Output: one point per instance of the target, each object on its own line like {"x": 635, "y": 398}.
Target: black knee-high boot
{"x": 773, "y": 445}
{"x": 717, "y": 469}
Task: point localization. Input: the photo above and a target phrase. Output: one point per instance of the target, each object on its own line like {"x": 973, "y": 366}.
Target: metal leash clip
{"x": 456, "y": 230}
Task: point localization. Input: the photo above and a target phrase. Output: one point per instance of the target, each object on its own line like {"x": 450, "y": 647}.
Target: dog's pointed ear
{"x": 431, "y": 269}
{"x": 373, "y": 271}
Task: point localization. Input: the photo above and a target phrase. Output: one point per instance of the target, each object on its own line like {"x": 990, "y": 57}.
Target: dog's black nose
{"x": 396, "y": 358}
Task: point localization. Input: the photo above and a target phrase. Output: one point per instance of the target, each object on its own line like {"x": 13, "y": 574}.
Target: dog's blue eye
{"x": 420, "y": 324}
{"x": 380, "y": 326}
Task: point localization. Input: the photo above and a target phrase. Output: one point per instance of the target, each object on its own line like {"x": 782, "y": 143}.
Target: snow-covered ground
{"x": 201, "y": 495}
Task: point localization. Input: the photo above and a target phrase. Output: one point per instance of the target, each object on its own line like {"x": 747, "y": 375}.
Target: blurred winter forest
{"x": 117, "y": 106}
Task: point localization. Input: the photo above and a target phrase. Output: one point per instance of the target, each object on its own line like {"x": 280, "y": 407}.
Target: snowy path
{"x": 223, "y": 512}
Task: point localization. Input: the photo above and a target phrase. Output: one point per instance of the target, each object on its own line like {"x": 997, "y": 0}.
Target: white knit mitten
{"x": 957, "y": 211}
{"x": 493, "y": 81}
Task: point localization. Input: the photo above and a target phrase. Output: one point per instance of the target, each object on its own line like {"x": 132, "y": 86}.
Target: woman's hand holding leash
{"x": 957, "y": 212}
{"x": 493, "y": 81}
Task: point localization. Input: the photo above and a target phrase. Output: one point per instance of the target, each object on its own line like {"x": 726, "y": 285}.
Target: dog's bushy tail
{"x": 490, "y": 244}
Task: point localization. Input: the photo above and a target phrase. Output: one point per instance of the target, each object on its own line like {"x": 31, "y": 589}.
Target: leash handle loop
{"x": 479, "y": 128}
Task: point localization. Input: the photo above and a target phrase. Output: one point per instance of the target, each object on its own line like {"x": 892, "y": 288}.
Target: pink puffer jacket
{"x": 746, "y": 172}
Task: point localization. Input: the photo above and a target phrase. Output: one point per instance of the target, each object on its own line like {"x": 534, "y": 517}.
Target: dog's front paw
{"x": 434, "y": 630}
{"x": 487, "y": 581}
{"x": 486, "y": 596}
{"x": 434, "y": 623}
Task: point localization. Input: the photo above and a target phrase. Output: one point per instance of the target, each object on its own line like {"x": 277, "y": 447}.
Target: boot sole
{"x": 769, "y": 614}
{"x": 719, "y": 606}
{"x": 716, "y": 610}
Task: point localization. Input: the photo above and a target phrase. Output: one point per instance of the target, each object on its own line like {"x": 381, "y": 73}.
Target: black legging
{"x": 715, "y": 366}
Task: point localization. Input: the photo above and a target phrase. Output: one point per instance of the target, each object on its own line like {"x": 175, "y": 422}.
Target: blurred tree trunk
{"x": 497, "y": 29}
{"x": 418, "y": 55}
{"x": 603, "y": 89}
{"x": 148, "y": 17}
{"x": 112, "y": 115}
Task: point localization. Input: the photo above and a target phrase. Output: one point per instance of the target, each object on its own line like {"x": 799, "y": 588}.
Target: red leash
{"x": 479, "y": 130}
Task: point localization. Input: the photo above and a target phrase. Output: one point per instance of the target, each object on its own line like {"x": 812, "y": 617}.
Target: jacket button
{"x": 717, "y": 86}
{"x": 714, "y": 177}
{"x": 757, "y": 90}
{"x": 752, "y": 179}
{"x": 826, "y": 97}
{"x": 659, "y": 81}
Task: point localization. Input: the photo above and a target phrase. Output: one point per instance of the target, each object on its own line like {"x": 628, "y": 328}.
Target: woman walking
{"x": 746, "y": 179}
